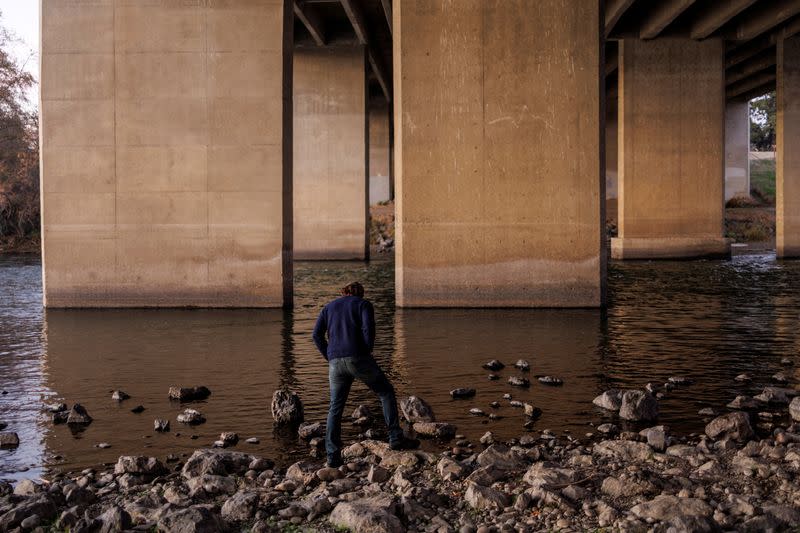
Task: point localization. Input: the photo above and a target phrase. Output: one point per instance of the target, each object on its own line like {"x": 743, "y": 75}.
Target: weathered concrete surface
{"x": 330, "y": 154}
{"x": 379, "y": 164}
{"x": 498, "y": 196}
{"x": 612, "y": 149}
{"x": 737, "y": 149}
{"x": 671, "y": 181}
{"x": 787, "y": 161}
{"x": 164, "y": 153}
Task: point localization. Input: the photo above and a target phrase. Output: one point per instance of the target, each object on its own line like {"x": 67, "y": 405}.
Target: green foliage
{"x": 762, "y": 123}
{"x": 762, "y": 180}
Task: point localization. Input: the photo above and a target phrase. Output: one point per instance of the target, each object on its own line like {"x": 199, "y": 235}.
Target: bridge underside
{"x": 186, "y": 160}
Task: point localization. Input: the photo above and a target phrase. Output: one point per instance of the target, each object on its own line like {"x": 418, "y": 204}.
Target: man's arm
{"x": 368, "y": 325}
{"x": 319, "y": 334}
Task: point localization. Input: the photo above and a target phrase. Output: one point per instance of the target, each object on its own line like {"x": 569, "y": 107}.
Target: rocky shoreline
{"x": 724, "y": 480}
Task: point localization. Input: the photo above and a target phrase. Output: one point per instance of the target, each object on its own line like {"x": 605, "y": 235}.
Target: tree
{"x": 19, "y": 149}
{"x": 762, "y": 123}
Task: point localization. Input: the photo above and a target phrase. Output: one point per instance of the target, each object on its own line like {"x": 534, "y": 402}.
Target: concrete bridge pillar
{"x": 380, "y": 175}
{"x": 331, "y": 173}
{"x": 737, "y": 149}
{"x": 498, "y": 190}
{"x": 672, "y": 137}
{"x": 788, "y": 150}
{"x": 166, "y": 153}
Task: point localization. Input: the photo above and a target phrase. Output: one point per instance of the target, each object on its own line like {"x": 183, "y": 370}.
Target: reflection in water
{"x": 706, "y": 320}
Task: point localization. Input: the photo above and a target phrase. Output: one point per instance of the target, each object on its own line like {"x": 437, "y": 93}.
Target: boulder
{"x": 548, "y": 475}
{"x": 196, "y": 519}
{"x": 287, "y": 409}
{"x": 683, "y": 514}
{"x": 415, "y": 409}
{"x": 139, "y": 465}
{"x": 610, "y": 400}
{"x": 8, "y": 439}
{"x": 735, "y": 426}
{"x": 435, "y": 430}
{"x": 485, "y": 498}
{"x": 26, "y": 487}
{"x": 41, "y": 505}
{"x": 189, "y": 394}
{"x": 240, "y": 507}
{"x": 216, "y": 462}
{"x": 115, "y": 519}
{"x": 623, "y": 450}
{"x": 794, "y": 409}
{"x": 376, "y": 514}
{"x": 309, "y": 431}
{"x": 78, "y": 416}
{"x": 502, "y": 457}
{"x": 638, "y": 405}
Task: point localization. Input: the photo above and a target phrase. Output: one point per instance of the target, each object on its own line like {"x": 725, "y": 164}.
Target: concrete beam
{"x": 745, "y": 51}
{"x": 356, "y": 17}
{"x": 787, "y": 160}
{"x": 748, "y": 84}
{"x": 753, "y": 65}
{"x": 662, "y": 15}
{"x": 765, "y": 19}
{"x": 312, "y": 21}
{"x": 614, "y": 11}
{"x": 761, "y": 90}
{"x": 715, "y": 15}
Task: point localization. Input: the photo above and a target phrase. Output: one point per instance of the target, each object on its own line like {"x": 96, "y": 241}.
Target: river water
{"x": 706, "y": 320}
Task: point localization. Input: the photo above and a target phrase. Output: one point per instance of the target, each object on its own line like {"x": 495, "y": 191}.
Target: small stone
{"x": 462, "y": 393}
{"x": 437, "y": 430}
{"x": 551, "y": 380}
{"x": 794, "y": 409}
{"x": 160, "y": 425}
{"x": 329, "y": 474}
{"x": 680, "y": 380}
{"x": 780, "y": 377}
{"x": 507, "y": 396}
{"x": 487, "y": 438}
{"x": 229, "y": 438}
{"x": 56, "y": 407}
{"x": 415, "y": 409}
{"x": 744, "y": 402}
{"x": 516, "y": 381}
{"x": 78, "y": 416}
{"x": 377, "y": 474}
{"x": 532, "y": 412}
{"x": 787, "y": 361}
{"x": 138, "y": 409}
{"x": 610, "y": 400}
{"x": 638, "y": 405}
{"x": 493, "y": 377}
{"x": 656, "y": 437}
{"x": 252, "y": 440}
{"x": 102, "y": 445}
{"x": 707, "y": 411}
{"x": 743, "y": 377}
{"x": 477, "y": 412}
{"x": 735, "y": 426}
{"x": 522, "y": 365}
{"x": 308, "y": 431}
{"x": 119, "y": 395}
{"x": 494, "y": 365}
{"x": 191, "y": 416}
{"x": 608, "y": 429}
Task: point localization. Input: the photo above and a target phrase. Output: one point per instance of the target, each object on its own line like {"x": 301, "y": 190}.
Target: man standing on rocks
{"x": 349, "y": 322}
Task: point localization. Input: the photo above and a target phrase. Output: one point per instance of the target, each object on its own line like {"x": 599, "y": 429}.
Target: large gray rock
{"x": 197, "y": 519}
{"x": 638, "y": 405}
{"x": 775, "y": 395}
{"x": 683, "y": 514}
{"x": 610, "y": 400}
{"x": 240, "y": 507}
{"x": 189, "y": 394}
{"x": 481, "y": 498}
{"x": 435, "y": 430}
{"x": 415, "y": 409}
{"x": 309, "y": 431}
{"x": 41, "y": 505}
{"x": 735, "y": 425}
{"x": 623, "y": 450}
{"x": 287, "y": 409}
{"x": 9, "y": 439}
{"x": 115, "y": 519}
{"x": 502, "y": 457}
{"x": 794, "y": 409}
{"x": 377, "y": 514}
{"x": 450, "y": 469}
{"x": 547, "y": 475}
{"x": 140, "y": 465}
{"x": 216, "y": 462}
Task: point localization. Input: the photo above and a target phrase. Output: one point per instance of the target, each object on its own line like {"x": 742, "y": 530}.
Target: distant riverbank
{"x": 27, "y": 245}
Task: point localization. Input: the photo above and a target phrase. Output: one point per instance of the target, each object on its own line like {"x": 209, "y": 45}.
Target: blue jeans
{"x": 341, "y": 373}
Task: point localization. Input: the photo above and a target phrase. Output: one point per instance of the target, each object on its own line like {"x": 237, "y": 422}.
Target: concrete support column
{"x": 671, "y": 162}
{"x": 737, "y": 149}
{"x": 787, "y": 159}
{"x": 379, "y": 164}
{"x": 166, "y": 153}
{"x": 498, "y": 189}
{"x": 331, "y": 173}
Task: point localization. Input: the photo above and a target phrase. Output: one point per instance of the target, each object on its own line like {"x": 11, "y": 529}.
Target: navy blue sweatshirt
{"x": 350, "y": 324}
